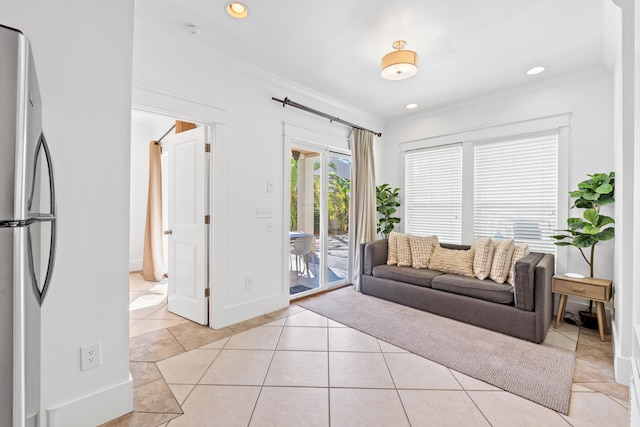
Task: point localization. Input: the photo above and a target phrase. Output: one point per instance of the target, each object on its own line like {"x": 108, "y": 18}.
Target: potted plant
{"x": 586, "y": 232}
{"x": 387, "y": 204}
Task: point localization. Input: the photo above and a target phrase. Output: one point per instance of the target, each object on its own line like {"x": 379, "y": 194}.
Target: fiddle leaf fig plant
{"x": 387, "y": 205}
{"x": 593, "y": 227}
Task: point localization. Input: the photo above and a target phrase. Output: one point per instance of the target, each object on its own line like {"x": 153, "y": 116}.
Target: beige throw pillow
{"x": 520, "y": 250}
{"x": 483, "y": 247}
{"x": 404, "y": 251}
{"x": 421, "y": 249}
{"x": 502, "y": 253}
{"x": 392, "y": 251}
{"x": 452, "y": 261}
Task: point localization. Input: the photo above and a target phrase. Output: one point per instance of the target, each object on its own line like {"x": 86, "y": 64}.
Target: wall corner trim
{"x": 94, "y": 409}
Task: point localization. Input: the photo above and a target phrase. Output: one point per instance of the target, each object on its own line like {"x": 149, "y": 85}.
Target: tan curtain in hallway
{"x": 363, "y": 196}
{"x": 152, "y": 264}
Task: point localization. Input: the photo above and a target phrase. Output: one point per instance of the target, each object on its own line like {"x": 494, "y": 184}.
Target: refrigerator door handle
{"x": 50, "y": 217}
{"x": 42, "y": 145}
{"x": 40, "y": 293}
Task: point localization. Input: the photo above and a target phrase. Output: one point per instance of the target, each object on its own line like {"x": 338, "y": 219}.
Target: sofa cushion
{"x": 422, "y": 249}
{"x": 413, "y": 276}
{"x": 392, "y": 252}
{"x": 502, "y": 253}
{"x": 404, "y": 251}
{"x": 452, "y": 261}
{"x": 520, "y": 250}
{"x": 472, "y": 287}
{"x": 483, "y": 256}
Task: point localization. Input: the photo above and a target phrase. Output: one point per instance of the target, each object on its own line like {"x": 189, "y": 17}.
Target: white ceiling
{"x": 466, "y": 47}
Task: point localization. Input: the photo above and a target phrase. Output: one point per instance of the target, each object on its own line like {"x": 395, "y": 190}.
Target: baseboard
{"x": 621, "y": 364}
{"x": 94, "y": 409}
{"x": 230, "y": 315}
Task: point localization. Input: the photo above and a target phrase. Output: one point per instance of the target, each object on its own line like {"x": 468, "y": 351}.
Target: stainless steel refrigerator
{"x": 27, "y": 230}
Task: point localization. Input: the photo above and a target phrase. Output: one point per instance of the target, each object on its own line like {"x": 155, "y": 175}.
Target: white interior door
{"x": 187, "y": 207}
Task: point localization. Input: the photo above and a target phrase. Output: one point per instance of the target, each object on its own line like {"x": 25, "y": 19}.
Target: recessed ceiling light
{"x": 192, "y": 29}
{"x": 237, "y": 10}
{"x": 535, "y": 70}
{"x": 412, "y": 106}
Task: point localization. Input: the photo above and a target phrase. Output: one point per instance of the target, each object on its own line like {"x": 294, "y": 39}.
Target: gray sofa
{"x": 524, "y": 310}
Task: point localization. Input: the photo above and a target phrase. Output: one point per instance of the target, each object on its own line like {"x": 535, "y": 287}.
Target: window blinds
{"x": 433, "y": 193}
{"x": 515, "y": 189}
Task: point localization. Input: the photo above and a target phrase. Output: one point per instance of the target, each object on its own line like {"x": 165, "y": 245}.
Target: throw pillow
{"x": 502, "y": 253}
{"x": 422, "y": 249}
{"x": 404, "y": 251}
{"x": 392, "y": 251}
{"x": 452, "y": 261}
{"x": 483, "y": 257}
{"x": 521, "y": 249}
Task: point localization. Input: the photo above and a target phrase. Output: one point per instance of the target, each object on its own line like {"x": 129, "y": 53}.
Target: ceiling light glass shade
{"x": 399, "y": 65}
{"x": 237, "y": 10}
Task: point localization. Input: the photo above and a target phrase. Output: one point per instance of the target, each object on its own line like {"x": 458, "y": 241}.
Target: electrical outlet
{"x": 90, "y": 356}
{"x": 248, "y": 282}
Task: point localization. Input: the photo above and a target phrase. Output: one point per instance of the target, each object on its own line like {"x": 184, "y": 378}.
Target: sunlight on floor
{"x": 154, "y": 297}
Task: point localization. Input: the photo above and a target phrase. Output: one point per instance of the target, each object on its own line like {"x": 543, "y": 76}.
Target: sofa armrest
{"x": 373, "y": 254}
{"x": 524, "y": 284}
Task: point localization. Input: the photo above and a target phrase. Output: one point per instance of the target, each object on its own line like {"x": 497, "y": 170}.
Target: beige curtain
{"x": 363, "y": 196}
{"x": 152, "y": 264}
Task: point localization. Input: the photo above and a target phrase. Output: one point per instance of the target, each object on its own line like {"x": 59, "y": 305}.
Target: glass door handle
{"x": 167, "y": 232}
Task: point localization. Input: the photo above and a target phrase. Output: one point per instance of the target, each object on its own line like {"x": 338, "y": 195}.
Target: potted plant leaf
{"x": 586, "y": 232}
{"x": 387, "y": 205}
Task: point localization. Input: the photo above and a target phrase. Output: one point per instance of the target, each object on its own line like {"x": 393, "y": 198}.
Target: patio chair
{"x": 303, "y": 247}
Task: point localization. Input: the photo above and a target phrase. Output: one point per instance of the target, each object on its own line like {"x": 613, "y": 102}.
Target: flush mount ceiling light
{"x": 412, "y": 106}
{"x": 535, "y": 70}
{"x": 401, "y": 64}
{"x": 237, "y": 10}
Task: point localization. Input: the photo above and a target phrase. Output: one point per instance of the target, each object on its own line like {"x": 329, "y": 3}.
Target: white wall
{"x": 248, "y": 150}
{"x": 586, "y": 95}
{"x": 82, "y": 51}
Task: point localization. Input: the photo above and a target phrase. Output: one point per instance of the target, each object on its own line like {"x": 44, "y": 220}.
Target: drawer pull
{"x": 576, "y": 289}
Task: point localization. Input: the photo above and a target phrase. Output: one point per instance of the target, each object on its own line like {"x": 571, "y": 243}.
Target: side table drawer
{"x": 579, "y": 289}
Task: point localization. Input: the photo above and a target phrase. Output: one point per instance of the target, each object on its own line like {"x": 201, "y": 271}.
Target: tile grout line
{"x": 273, "y": 354}
{"x": 393, "y": 380}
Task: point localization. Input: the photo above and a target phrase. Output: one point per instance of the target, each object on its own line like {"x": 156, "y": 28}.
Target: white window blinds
{"x": 433, "y": 193}
{"x": 515, "y": 189}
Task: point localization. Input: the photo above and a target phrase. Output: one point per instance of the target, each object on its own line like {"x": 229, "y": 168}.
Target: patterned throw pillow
{"x": 452, "y": 261}
{"x": 392, "y": 252}
{"x": 422, "y": 249}
{"x": 521, "y": 249}
{"x": 483, "y": 257}
{"x": 502, "y": 253}
{"x": 404, "y": 251}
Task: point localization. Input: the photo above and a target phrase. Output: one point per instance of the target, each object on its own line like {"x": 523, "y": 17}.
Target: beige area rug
{"x": 539, "y": 373}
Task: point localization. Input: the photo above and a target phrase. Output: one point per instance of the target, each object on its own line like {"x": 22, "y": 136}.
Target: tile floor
{"x": 296, "y": 368}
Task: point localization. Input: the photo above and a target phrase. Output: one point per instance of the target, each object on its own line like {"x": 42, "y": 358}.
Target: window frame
{"x": 559, "y": 122}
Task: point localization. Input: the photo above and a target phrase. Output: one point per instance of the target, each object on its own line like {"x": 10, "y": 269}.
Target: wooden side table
{"x": 598, "y": 290}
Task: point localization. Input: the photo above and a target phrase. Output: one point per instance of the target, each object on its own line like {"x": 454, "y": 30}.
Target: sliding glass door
{"x": 320, "y": 187}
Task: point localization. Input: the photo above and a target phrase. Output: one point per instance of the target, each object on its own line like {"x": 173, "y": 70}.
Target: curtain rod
{"x": 287, "y": 101}
{"x": 166, "y": 133}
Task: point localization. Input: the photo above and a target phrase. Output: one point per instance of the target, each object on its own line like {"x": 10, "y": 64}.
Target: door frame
{"x": 325, "y": 145}
{"x": 214, "y": 119}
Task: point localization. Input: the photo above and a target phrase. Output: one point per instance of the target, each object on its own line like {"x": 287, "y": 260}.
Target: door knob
{"x": 168, "y": 231}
